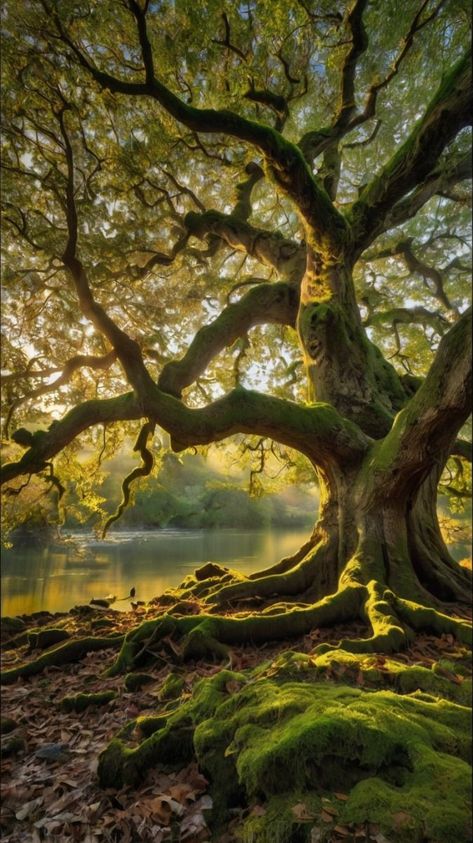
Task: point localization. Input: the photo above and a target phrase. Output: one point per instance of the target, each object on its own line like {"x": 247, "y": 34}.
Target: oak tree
{"x": 251, "y": 219}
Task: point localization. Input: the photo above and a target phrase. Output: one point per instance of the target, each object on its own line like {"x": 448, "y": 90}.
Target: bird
{"x": 131, "y": 594}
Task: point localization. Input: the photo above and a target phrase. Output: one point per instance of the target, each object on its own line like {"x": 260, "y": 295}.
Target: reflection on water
{"x": 56, "y": 579}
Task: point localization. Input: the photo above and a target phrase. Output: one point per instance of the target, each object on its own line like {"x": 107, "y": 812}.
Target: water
{"x": 55, "y": 579}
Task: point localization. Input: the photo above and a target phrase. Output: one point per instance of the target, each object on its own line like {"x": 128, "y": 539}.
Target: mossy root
{"x": 71, "y": 651}
{"x": 79, "y": 702}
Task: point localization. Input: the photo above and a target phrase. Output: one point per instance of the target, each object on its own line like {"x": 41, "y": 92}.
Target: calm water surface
{"x": 55, "y": 579}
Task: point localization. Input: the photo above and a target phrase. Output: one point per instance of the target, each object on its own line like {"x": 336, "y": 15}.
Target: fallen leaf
{"x": 29, "y": 808}
{"x": 401, "y": 819}
{"x": 342, "y": 831}
{"x": 302, "y": 813}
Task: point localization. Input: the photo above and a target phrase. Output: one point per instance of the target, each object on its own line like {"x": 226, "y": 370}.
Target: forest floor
{"x": 49, "y": 784}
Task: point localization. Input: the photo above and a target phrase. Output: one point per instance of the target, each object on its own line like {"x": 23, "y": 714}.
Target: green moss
{"x": 135, "y": 681}
{"x": 278, "y": 823}
{"x": 425, "y": 618}
{"x": 391, "y": 751}
{"x": 79, "y": 702}
{"x": 66, "y": 653}
{"x": 172, "y": 687}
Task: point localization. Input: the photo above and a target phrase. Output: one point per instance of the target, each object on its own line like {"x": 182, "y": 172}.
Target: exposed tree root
{"x": 72, "y": 651}
{"x": 79, "y": 702}
{"x": 393, "y": 622}
{"x": 204, "y": 636}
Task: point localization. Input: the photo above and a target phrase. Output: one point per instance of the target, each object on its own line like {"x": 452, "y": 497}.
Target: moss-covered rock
{"x": 135, "y": 681}
{"x": 283, "y": 730}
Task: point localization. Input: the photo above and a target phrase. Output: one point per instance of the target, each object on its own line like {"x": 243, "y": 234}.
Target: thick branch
{"x": 358, "y": 46}
{"x": 267, "y": 303}
{"x": 127, "y": 350}
{"x": 438, "y": 182}
{"x": 428, "y": 425}
{"x": 269, "y": 247}
{"x": 46, "y": 444}
{"x": 448, "y": 112}
{"x": 347, "y": 119}
{"x": 318, "y": 431}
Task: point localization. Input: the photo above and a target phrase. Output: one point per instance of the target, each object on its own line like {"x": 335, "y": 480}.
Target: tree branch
{"x": 78, "y": 362}
{"x": 318, "y": 431}
{"x": 437, "y": 182}
{"x": 427, "y": 427}
{"x": 267, "y": 303}
{"x": 127, "y": 349}
{"x": 269, "y": 247}
{"x": 448, "y": 112}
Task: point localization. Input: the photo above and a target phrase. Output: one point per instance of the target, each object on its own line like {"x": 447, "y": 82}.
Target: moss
{"x": 79, "y": 702}
{"x": 393, "y": 752}
{"x": 168, "y": 739}
{"x": 44, "y": 638}
{"x": 149, "y": 724}
{"x": 338, "y": 738}
{"x": 425, "y": 618}
{"x": 278, "y": 823}
{"x": 71, "y": 651}
{"x": 172, "y": 687}
{"x": 135, "y": 681}
{"x": 134, "y": 647}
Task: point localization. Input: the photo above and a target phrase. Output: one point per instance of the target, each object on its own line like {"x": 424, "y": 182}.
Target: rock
{"x": 11, "y": 625}
{"x": 53, "y": 752}
{"x": 210, "y": 569}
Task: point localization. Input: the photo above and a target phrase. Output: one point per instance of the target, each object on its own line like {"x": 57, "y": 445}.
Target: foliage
{"x": 133, "y": 188}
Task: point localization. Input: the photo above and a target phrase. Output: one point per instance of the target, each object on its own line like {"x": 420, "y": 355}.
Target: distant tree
{"x": 204, "y": 197}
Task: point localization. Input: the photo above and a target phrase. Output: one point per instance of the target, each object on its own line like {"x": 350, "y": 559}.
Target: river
{"x": 56, "y": 578}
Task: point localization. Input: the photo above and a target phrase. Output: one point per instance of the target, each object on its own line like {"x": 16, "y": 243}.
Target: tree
{"x": 327, "y": 148}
